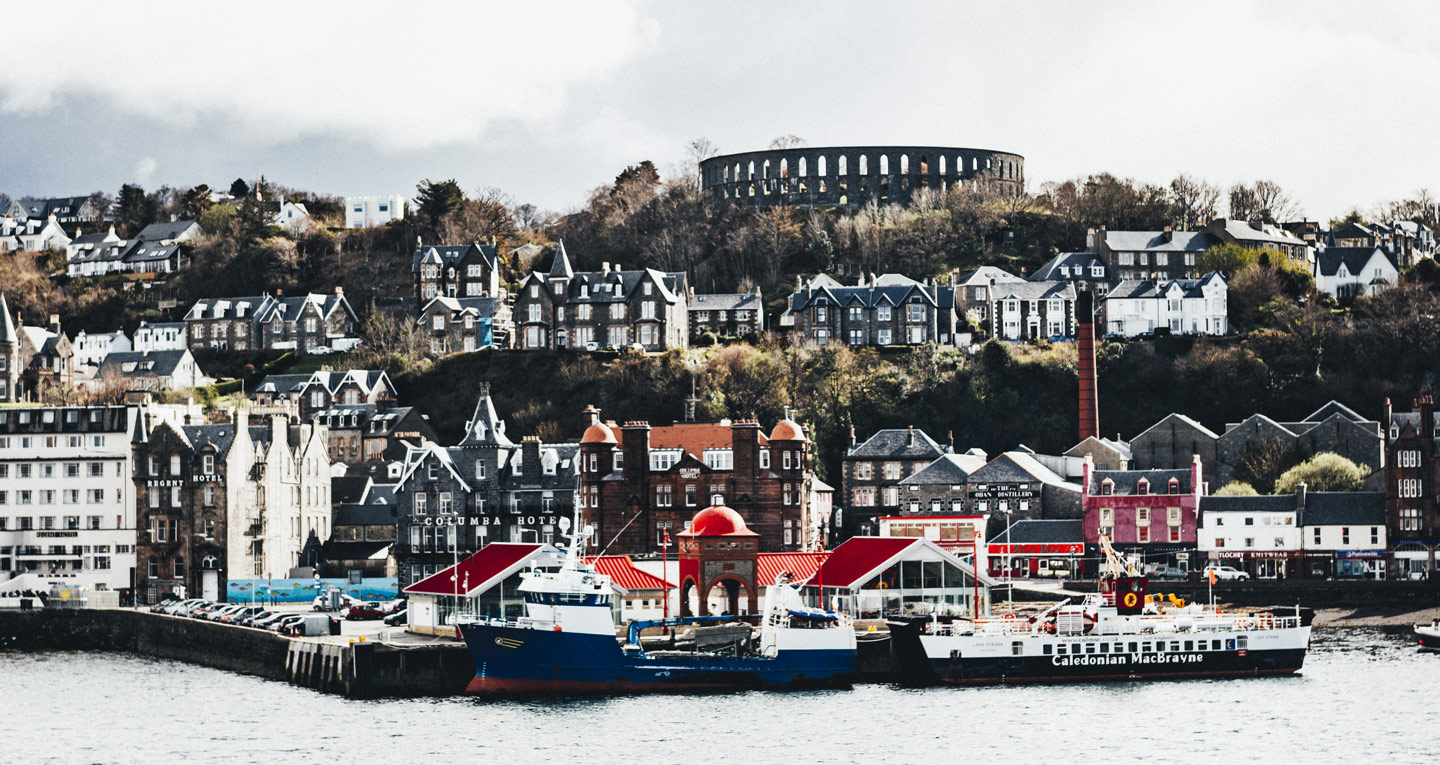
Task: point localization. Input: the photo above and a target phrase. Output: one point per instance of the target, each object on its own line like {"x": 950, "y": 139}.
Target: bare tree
{"x": 789, "y": 141}
{"x": 1264, "y": 200}
{"x": 1196, "y": 201}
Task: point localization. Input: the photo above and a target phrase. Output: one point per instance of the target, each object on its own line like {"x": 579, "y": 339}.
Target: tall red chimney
{"x": 1085, "y": 345}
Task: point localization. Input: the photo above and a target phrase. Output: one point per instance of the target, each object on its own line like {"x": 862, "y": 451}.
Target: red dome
{"x": 787, "y": 430}
{"x": 718, "y": 521}
{"x": 598, "y": 433}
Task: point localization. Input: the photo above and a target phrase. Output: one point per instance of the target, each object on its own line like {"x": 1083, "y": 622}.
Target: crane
{"x": 1116, "y": 566}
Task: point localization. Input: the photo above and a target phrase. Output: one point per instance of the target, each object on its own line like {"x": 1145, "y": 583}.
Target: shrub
{"x": 1236, "y": 489}
{"x": 1325, "y": 471}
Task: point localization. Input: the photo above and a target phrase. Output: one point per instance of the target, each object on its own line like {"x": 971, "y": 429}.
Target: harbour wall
{"x": 353, "y": 669}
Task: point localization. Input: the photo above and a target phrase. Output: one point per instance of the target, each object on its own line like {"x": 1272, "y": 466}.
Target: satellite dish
{"x": 564, "y": 525}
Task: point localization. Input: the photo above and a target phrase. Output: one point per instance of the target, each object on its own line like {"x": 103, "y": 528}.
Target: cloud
{"x": 399, "y": 77}
{"x": 145, "y": 170}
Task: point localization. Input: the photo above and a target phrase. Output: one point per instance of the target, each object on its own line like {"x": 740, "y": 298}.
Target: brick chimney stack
{"x": 1426, "y": 406}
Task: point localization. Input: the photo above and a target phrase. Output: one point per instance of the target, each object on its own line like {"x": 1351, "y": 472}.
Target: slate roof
{"x": 146, "y": 363}
{"x": 7, "y": 327}
{"x": 353, "y": 549}
{"x": 290, "y": 308}
{"x": 1160, "y": 289}
{"x": 1182, "y": 419}
{"x": 491, "y": 430}
{"x": 221, "y": 436}
{"x": 616, "y": 286}
{"x": 352, "y": 514}
{"x": 450, "y": 254}
{"x": 1070, "y": 261}
{"x": 167, "y": 230}
{"x": 897, "y": 443}
{"x": 1019, "y": 467}
{"x": 482, "y": 307}
{"x": 1328, "y": 260}
{"x": 981, "y": 277}
{"x": 870, "y": 297}
{"x": 560, "y": 266}
{"x": 1335, "y": 407}
{"x": 726, "y": 302}
{"x": 1158, "y": 241}
{"x": 1034, "y": 291}
{"x": 1127, "y": 481}
{"x": 368, "y": 381}
{"x": 1257, "y": 503}
{"x": 1032, "y": 532}
{"x": 1245, "y": 232}
{"x": 948, "y": 469}
{"x": 1343, "y": 508}
{"x": 226, "y": 308}
{"x": 347, "y": 489}
{"x": 565, "y": 457}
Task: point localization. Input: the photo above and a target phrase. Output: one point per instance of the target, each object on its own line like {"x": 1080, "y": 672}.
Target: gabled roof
{"x": 1160, "y": 241}
{"x": 1018, "y": 467}
{"x": 1355, "y": 259}
{"x": 1263, "y": 422}
{"x": 7, "y": 327}
{"x": 560, "y": 266}
{"x": 222, "y": 437}
{"x": 891, "y": 293}
{"x": 167, "y": 231}
{"x": 1174, "y": 417}
{"x": 1127, "y": 482}
{"x": 1246, "y": 231}
{"x": 1253, "y": 503}
{"x": 907, "y": 443}
{"x": 228, "y": 308}
{"x": 622, "y": 571}
{"x": 1163, "y": 290}
{"x": 348, "y": 489}
{"x": 485, "y": 428}
{"x": 564, "y": 458}
{"x": 352, "y": 514}
{"x": 451, "y": 254}
{"x": 483, "y": 307}
{"x": 415, "y": 456}
{"x": 489, "y": 566}
{"x": 695, "y": 437}
{"x": 726, "y": 302}
{"x": 861, "y": 559}
{"x": 1334, "y": 407}
{"x": 1032, "y": 532}
{"x": 141, "y": 363}
{"x": 950, "y": 469}
{"x": 800, "y": 565}
{"x": 616, "y": 286}
{"x": 982, "y": 276}
{"x": 1070, "y": 261}
{"x": 1034, "y": 291}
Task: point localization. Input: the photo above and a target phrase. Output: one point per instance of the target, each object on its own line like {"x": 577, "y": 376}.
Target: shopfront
{"x": 1267, "y": 564}
{"x": 1413, "y": 560}
{"x": 1360, "y": 564}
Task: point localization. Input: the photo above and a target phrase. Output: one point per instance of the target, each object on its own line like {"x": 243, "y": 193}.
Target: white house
{"x": 90, "y": 349}
{"x": 291, "y": 216}
{"x": 1181, "y": 306}
{"x": 1258, "y": 534}
{"x": 151, "y": 370}
{"x": 33, "y": 234}
{"x": 1343, "y": 534}
{"x": 364, "y": 212}
{"x": 161, "y": 336}
{"x": 1354, "y": 271}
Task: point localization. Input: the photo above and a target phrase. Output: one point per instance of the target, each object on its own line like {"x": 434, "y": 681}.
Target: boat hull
{"x": 1429, "y": 639}
{"x": 510, "y": 661}
{"x": 964, "y": 660}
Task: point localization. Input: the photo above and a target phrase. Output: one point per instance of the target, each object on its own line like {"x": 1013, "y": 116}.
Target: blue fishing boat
{"x": 567, "y": 642}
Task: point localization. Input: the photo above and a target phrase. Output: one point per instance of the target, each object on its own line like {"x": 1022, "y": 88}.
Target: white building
{"x": 291, "y": 216}
{"x": 364, "y": 212}
{"x": 1258, "y": 534}
{"x": 1179, "y": 306}
{"x": 33, "y": 234}
{"x": 90, "y": 349}
{"x": 163, "y": 336}
{"x": 1343, "y": 534}
{"x": 1355, "y": 271}
{"x": 67, "y": 502}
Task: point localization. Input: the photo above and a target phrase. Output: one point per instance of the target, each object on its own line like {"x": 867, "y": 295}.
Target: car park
{"x": 365, "y": 611}
{"x": 265, "y": 622}
{"x": 398, "y": 618}
{"x": 245, "y": 612}
{"x": 219, "y": 613}
{"x": 178, "y": 607}
{"x": 249, "y": 620}
{"x": 163, "y": 603}
{"x": 280, "y": 624}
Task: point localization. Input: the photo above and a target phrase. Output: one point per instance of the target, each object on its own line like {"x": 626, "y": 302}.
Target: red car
{"x": 366, "y": 611}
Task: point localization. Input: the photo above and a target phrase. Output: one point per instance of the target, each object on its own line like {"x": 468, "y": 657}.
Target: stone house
{"x": 871, "y": 475}
{"x": 1171, "y": 443}
{"x": 609, "y": 308}
{"x": 1018, "y": 485}
{"x": 1348, "y": 272}
{"x": 455, "y": 271}
{"x": 463, "y": 325}
{"x": 368, "y": 432}
{"x": 66, "y": 210}
{"x": 149, "y": 370}
{"x": 1258, "y": 235}
{"x": 306, "y": 324}
{"x": 1033, "y": 310}
{"x": 1083, "y": 269}
{"x": 887, "y": 310}
{"x": 363, "y": 540}
{"x": 639, "y": 483}
{"x": 1149, "y": 255}
{"x": 451, "y": 501}
{"x": 972, "y": 294}
{"x": 939, "y": 488}
{"x": 318, "y": 391}
{"x": 1105, "y": 453}
{"x": 1412, "y": 488}
{"x": 727, "y": 315}
{"x": 48, "y": 359}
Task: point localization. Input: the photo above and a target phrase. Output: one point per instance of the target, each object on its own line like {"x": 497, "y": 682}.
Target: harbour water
{"x": 1365, "y": 695}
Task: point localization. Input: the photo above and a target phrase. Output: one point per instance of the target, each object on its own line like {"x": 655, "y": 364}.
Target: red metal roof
{"x": 479, "y": 572}
{"x": 801, "y": 566}
{"x": 696, "y": 437}
{"x": 853, "y": 562}
{"x": 623, "y": 572}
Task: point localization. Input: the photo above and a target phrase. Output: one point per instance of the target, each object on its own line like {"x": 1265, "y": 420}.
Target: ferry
{"x": 1118, "y": 633}
{"x": 1429, "y": 636}
{"x": 566, "y": 643}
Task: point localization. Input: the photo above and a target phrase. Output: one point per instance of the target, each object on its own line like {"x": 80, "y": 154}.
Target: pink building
{"x": 1149, "y": 514}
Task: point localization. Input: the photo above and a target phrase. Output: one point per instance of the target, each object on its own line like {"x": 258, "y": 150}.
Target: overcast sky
{"x": 1334, "y": 101}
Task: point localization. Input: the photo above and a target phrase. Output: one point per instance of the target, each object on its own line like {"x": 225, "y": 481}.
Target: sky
{"x": 1334, "y": 101}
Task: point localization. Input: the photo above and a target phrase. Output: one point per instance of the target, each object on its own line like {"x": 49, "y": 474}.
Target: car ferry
{"x": 1119, "y": 633}
{"x": 566, "y": 643}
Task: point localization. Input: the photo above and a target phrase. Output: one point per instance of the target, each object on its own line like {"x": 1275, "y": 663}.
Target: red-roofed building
{"x": 644, "y": 592}
{"x": 880, "y": 577}
{"x": 484, "y": 583}
{"x": 637, "y": 481}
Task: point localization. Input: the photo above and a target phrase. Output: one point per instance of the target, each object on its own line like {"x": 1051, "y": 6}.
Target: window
{"x": 420, "y": 501}
{"x": 174, "y": 464}
{"x": 882, "y": 313}
{"x": 209, "y": 496}
{"x": 892, "y": 471}
{"x": 690, "y": 496}
{"x": 1344, "y": 535}
{"x": 664, "y": 496}
{"x": 764, "y": 459}
{"x": 1317, "y": 535}
{"x": 864, "y": 471}
{"x": 917, "y": 312}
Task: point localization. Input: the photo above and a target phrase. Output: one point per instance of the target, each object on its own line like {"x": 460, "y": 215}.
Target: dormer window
{"x": 1143, "y": 487}
{"x": 1174, "y": 485}
{"x": 1107, "y": 487}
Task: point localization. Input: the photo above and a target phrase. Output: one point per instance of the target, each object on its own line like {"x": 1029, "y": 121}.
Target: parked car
{"x": 217, "y": 614}
{"x": 265, "y": 622}
{"x": 249, "y": 621}
{"x": 163, "y": 602}
{"x": 199, "y": 610}
{"x": 245, "y": 612}
{"x": 1226, "y": 573}
{"x": 189, "y": 607}
{"x": 1169, "y": 572}
{"x": 365, "y": 611}
{"x": 280, "y": 624}
{"x": 310, "y": 625}
{"x": 398, "y": 618}
{"x": 175, "y": 607}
